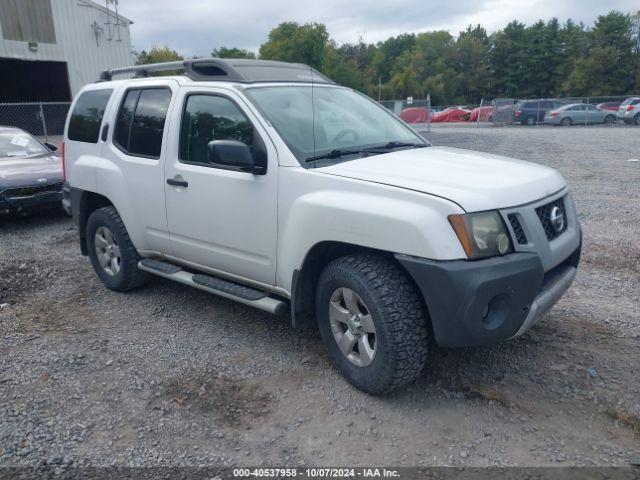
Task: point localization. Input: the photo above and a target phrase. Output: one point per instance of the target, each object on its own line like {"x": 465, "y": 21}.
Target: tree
{"x": 158, "y": 54}
{"x": 608, "y": 65}
{"x": 470, "y": 62}
{"x": 232, "y": 52}
{"x": 291, "y": 42}
{"x": 508, "y": 59}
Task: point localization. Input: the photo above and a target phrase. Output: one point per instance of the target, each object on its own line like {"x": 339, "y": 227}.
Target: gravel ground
{"x": 168, "y": 375}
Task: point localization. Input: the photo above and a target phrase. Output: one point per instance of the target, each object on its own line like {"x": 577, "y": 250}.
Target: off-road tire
{"x": 402, "y": 332}
{"x": 129, "y": 276}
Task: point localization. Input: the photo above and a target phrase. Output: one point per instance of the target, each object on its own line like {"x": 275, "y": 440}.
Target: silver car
{"x": 579, "y": 114}
{"x": 629, "y": 111}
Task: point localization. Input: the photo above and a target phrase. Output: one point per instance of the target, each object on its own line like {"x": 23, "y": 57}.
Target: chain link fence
{"x": 501, "y": 111}
{"x": 42, "y": 119}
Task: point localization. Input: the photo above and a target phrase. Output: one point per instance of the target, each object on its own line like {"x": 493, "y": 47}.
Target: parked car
{"x": 30, "y": 175}
{"x": 451, "y": 114}
{"x": 415, "y": 115}
{"x": 530, "y": 112}
{"x": 482, "y": 114}
{"x": 580, "y": 114}
{"x": 613, "y": 106}
{"x": 266, "y": 183}
{"x": 629, "y": 111}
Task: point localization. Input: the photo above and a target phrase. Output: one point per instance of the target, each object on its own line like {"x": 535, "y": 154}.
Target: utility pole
{"x": 379, "y": 89}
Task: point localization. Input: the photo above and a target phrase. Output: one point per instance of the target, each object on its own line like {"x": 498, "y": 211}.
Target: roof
{"x": 228, "y": 70}
{"x": 91, "y": 3}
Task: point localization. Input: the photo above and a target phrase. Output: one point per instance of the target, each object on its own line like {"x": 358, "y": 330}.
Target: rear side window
{"x": 86, "y": 117}
{"x": 140, "y": 121}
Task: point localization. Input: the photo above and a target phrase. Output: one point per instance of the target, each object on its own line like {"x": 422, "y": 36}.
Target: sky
{"x": 195, "y": 27}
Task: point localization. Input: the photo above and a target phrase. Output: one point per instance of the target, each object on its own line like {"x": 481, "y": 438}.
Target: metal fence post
{"x": 44, "y": 122}
{"x": 428, "y": 112}
{"x": 586, "y": 113}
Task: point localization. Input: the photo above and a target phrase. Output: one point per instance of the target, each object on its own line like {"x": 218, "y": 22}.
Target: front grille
{"x": 544, "y": 214}
{"x": 521, "y": 238}
{"x": 32, "y": 190}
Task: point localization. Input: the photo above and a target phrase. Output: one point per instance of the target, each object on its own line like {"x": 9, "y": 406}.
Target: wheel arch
{"x": 305, "y": 279}
{"x": 84, "y": 203}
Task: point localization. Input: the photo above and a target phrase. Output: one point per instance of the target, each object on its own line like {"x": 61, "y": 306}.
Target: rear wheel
{"x": 112, "y": 254}
{"x": 609, "y": 119}
{"x": 566, "y": 122}
{"x": 372, "y": 322}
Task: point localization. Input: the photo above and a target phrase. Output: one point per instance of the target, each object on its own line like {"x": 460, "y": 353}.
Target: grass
{"x": 631, "y": 420}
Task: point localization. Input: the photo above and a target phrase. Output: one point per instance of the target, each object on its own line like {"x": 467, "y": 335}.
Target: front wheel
{"x": 372, "y": 322}
{"x": 609, "y": 119}
{"x": 112, "y": 254}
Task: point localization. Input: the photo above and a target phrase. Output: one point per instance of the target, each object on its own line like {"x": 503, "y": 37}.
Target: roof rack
{"x": 226, "y": 70}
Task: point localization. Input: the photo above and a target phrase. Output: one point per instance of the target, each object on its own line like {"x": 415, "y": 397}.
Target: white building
{"x": 49, "y": 49}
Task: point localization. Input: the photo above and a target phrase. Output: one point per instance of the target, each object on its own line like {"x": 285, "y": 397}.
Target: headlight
{"x": 481, "y": 234}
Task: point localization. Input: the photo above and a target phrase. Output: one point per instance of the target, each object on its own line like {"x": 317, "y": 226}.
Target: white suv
{"x": 266, "y": 183}
{"x": 629, "y": 111}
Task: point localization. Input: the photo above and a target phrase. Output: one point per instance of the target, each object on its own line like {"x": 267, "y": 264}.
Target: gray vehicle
{"x": 579, "y": 114}
{"x": 629, "y": 111}
{"x": 30, "y": 175}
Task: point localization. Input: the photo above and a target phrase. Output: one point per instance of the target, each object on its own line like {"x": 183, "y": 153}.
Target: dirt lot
{"x": 169, "y": 375}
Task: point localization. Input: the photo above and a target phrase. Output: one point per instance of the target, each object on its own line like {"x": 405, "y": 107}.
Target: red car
{"x": 613, "y": 106}
{"x": 415, "y": 115}
{"x": 485, "y": 114}
{"x": 451, "y": 114}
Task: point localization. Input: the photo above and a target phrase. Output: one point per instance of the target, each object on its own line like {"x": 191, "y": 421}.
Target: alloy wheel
{"x": 352, "y": 326}
{"x": 107, "y": 250}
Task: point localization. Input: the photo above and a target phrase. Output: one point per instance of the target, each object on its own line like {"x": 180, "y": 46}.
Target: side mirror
{"x": 231, "y": 153}
{"x": 50, "y": 146}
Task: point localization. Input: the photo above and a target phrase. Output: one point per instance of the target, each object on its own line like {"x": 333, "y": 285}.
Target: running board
{"x": 217, "y": 286}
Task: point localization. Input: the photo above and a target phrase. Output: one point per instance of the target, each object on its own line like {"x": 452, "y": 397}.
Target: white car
{"x": 266, "y": 183}
{"x": 629, "y": 111}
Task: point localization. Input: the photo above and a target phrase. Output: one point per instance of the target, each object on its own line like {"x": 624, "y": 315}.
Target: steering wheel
{"x": 343, "y": 133}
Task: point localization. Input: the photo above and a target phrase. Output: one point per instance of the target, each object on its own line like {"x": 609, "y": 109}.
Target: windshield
{"x": 338, "y": 119}
{"x": 19, "y": 144}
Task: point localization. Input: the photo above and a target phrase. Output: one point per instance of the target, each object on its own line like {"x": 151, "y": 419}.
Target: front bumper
{"x": 486, "y": 301}
{"x": 19, "y": 205}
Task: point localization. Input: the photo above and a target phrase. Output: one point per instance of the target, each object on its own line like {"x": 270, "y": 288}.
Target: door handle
{"x": 177, "y": 182}
{"x": 105, "y": 131}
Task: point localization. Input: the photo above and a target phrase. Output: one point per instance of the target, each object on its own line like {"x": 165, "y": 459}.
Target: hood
{"x": 25, "y": 171}
{"x": 476, "y": 181}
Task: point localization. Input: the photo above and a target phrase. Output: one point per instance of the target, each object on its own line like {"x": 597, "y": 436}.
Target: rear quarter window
{"x": 140, "y": 121}
{"x": 86, "y": 117}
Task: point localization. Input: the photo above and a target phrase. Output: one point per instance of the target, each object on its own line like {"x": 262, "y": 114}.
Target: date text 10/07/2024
{"x": 316, "y": 472}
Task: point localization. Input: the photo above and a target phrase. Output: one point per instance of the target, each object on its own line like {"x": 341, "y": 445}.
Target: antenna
{"x": 116, "y": 17}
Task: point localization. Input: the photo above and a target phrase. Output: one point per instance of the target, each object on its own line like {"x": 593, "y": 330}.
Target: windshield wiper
{"x": 395, "y": 144}
{"x": 337, "y": 153}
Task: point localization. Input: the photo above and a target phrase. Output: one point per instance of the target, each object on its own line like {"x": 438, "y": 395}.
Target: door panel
{"x": 138, "y": 190}
{"x": 223, "y": 219}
